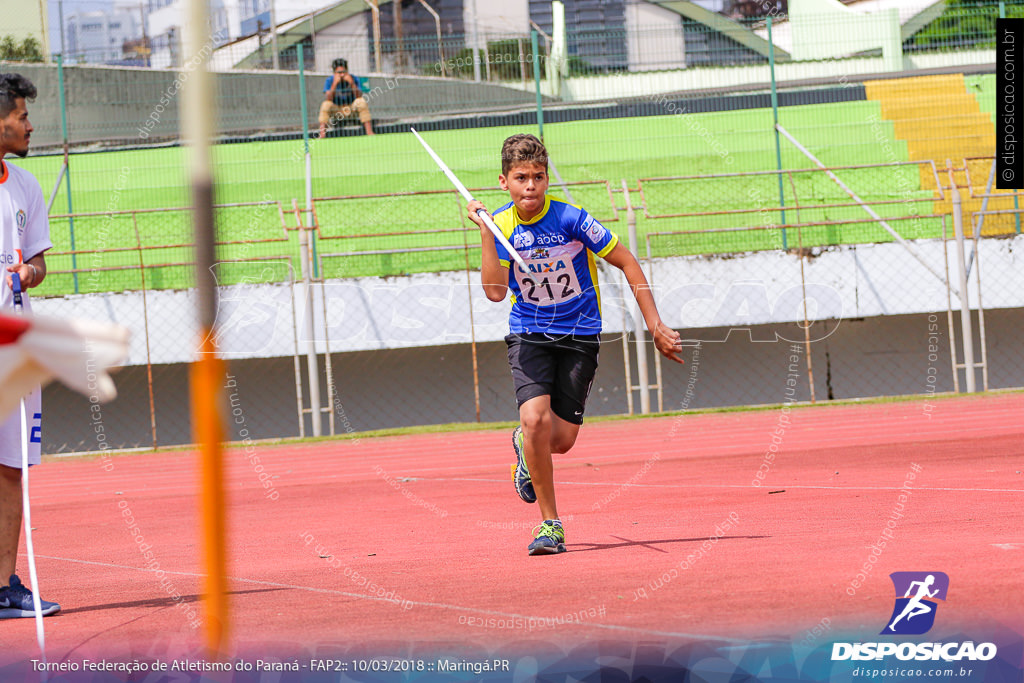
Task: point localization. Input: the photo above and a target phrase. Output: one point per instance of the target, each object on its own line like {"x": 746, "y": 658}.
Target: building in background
{"x": 410, "y": 41}
{"x": 640, "y": 35}
{"x": 415, "y": 35}
{"x": 99, "y": 37}
{"x": 164, "y": 21}
{"x": 231, "y": 20}
{"x": 256, "y": 16}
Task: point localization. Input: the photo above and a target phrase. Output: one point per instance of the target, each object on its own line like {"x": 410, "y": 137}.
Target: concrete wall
{"x": 824, "y": 29}
{"x": 882, "y": 356}
{"x": 401, "y": 353}
{"x": 654, "y": 38}
{"x": 129, "y": 106}
{"x": 140, "y": 106}
{"x": 644, "y": 84}
{"x": 349, "y": 40}
{"x": 500, "y": 19}
{"x": 433, "y": 309}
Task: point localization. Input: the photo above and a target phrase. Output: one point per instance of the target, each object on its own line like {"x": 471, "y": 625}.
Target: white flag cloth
{"x": 34, "y": 350}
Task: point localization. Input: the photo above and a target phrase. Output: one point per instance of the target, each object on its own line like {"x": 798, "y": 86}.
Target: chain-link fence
{"x": 737, "y": 224}
{"x": 613, "y": 37}
{"x": 118, "y": 120}
{"x": 622, "y": 37}
{"x": 110, "y": 269}
{"x": 847, "y": 288}
{"x": 864, "y": 301}
{"x": 959, "y": 27}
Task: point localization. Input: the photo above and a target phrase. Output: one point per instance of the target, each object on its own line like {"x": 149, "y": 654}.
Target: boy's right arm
{"x": 331, "y": 87}
{"x": 493, "y": 275}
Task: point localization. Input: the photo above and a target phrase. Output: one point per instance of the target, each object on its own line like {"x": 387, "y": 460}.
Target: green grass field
{"x": 600, "y": 150}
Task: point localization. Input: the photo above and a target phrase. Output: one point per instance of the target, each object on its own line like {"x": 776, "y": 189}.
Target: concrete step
{"x": 945, "y": 126}
{"x": 899, "y": 86}
{"x": 929, "y": 107}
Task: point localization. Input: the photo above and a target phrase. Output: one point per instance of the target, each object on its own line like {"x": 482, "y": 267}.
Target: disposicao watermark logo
{"x": 914, "y": 612}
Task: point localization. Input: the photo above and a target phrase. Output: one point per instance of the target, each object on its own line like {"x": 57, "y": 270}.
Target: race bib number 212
{"x": 552, "y": 283}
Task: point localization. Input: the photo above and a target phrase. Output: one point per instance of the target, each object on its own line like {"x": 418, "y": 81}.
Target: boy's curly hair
{"x": 522, "y": 148}
{"x": 12, "y": 87}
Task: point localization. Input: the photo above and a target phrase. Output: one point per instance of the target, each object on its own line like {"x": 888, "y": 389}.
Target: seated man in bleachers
{"x": 342, "y": 98}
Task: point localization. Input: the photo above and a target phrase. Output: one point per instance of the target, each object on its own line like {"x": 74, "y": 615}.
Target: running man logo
{"x": 914, "y": 612}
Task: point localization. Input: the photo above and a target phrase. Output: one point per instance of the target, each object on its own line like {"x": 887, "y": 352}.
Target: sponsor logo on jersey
{"x": 523, "y": 240}
{"x": 595, "y": 230}
{"x": 551, "y": 240}
{"x": 547, "y": 267}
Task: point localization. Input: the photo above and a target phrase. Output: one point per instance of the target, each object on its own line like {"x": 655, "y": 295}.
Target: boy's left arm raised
{"x": 667, "y": 340}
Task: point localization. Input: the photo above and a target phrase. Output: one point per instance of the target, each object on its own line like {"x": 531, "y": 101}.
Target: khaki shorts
{"x": 332, "y": 113}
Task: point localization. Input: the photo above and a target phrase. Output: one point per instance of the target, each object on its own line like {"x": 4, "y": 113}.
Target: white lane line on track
{"x": 747, "y": 486}
{"x": 436, "y": 605}
{"x": 189, "y": 490}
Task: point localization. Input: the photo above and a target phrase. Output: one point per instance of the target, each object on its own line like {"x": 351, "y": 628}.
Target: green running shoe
{"x": 549, "y": 538}
{"x": 520, "y": 473}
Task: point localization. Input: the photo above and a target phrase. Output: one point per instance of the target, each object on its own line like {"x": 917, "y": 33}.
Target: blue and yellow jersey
{"x": 558, "y": 294}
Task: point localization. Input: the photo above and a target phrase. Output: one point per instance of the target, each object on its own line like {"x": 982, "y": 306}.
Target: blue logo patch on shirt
{"x": 523, "y": 240}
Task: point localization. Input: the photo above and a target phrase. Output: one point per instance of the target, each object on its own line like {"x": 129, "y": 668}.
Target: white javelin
{"x": 468, "y": 197}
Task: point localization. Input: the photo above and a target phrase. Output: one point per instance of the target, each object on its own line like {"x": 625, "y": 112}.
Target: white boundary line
{"x": 747, "y": 486}
{"x": 355, "y": 478}
{"x": 435, "y": 605}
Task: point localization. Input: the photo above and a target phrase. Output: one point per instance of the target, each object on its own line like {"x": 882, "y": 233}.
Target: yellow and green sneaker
{"x": 520, "y": 473}
{"x": 549, "y": 538}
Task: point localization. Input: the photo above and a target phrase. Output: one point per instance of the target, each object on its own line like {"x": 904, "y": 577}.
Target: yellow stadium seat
{"x": 940, "y": 120}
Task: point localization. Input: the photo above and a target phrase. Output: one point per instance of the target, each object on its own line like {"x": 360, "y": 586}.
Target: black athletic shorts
{"x": 559, "y": 366}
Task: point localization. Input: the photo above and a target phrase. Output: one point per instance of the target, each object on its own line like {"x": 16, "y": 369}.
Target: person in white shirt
{"x": 24, "y": 237}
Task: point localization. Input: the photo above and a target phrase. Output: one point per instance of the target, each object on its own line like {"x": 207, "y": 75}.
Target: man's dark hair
{"x": 339, "y": 62}
{"x": 522, "y": 148}
{"x": 13, "y": 86}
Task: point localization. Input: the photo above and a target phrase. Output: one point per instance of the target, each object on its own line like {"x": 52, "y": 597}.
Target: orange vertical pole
{"x": 208, "y": 425}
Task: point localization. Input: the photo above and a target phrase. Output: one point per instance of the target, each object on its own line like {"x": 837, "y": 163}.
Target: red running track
{"x": 422, "y": 538}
